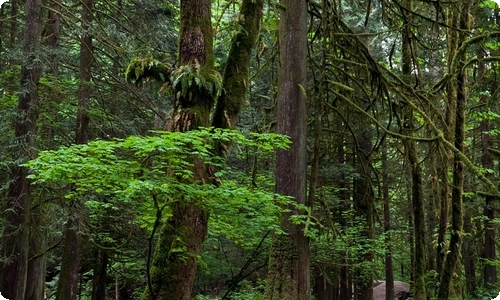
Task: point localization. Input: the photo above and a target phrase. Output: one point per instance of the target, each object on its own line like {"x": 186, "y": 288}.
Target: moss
{"x": 141, "y": 69}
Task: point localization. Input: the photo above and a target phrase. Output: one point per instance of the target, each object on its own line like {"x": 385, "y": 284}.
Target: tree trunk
{"x": 389, "y": 274}
{"x": 172, "y": 272}
{"x": 489, "y": 248}
{"x": 70, "y": 263}
{"x": 363, "y": 208}
{"x": 289, "y": 273}
{"x": 16, "y": 235}
{"x": 409, "y": 65}
{"x": 452, "y": 257}
{"x": 100, "y": 275}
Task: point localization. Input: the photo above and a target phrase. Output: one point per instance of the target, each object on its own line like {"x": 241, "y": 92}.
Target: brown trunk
{"x": 288, "y": 276}
{"x": 100, "y": 276}
{"x": 35, "y": 289}
{"x": 489, "y": 250}
{"x": 15, "y": 237}
{"x": 70, "y": 263}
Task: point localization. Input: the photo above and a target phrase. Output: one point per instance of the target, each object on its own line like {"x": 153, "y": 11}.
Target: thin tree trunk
{"x": 288, "y": 275}
{"x": 389, "y": 274}
{"x": 459, "y": 76}
{"x": 417, "y": 194}
{"x": 15, "y": 237}
{"x": 363, "y": 207}
{"x": 489, "y": 248}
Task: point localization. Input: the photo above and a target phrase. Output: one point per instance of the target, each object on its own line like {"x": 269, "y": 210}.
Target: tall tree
{"x": 288, "y": 276}
{"x": 15, "y": 237}
{"x": 409, "y": 67}
{"x": 172, "y": 272}
{"x": 458, "y": 75}
{"x": 70, "y": 261}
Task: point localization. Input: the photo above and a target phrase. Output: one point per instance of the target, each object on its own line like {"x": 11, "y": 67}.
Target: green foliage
{"x": 186, "y": 77}
{"x": 140, "y": 170}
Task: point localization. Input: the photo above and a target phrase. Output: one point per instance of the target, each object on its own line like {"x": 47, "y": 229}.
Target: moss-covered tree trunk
{"x": 174, "y": 261}
{"x": 15, "y": 242}
{"x": 459, "y": 77}
{"x": 288, "y": 276}
{"x": 172, "y": 271}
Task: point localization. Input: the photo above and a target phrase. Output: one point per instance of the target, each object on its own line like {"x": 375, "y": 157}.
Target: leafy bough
{"x": 145, "y": 173}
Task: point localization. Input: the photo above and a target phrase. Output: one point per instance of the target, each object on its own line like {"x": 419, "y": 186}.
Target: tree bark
{"x": 288, "y": 276}
{"x": 16, "y": 235}
{"x": 457, "y": 217}
{"x": 489, "y": 248}
{"x": 70, "y": 263}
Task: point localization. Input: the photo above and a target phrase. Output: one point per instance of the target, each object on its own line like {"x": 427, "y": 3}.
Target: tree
{"x": 16, "y": 234}
{"x": 172, "y": 274}
{"x": 289, "y": 273}
{"x": 67, "y": 287}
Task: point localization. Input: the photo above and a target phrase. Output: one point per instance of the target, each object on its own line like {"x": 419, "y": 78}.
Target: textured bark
{"x": 67, "y": 287}
{"x": 288, "y": 276}
{"x": 15, "y": 237}
{"x": 35, "y": 288}
{"x": 172, "y": 272}
{"x": 452, "y": 256}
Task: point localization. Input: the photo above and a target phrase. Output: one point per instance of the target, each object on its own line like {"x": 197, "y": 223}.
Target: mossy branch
{"x": 141, "y": 69}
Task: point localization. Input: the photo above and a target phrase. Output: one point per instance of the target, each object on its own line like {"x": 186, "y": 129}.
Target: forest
{"x": 249, "y": 149}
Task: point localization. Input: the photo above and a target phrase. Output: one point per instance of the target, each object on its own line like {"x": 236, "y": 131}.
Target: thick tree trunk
{"x": 16, "y": 235}
{"x": 172, "y": 272}
{"x": 70, "y": 263}
{"x": 100, "y": 275}
{"x": 288, "y": 276}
